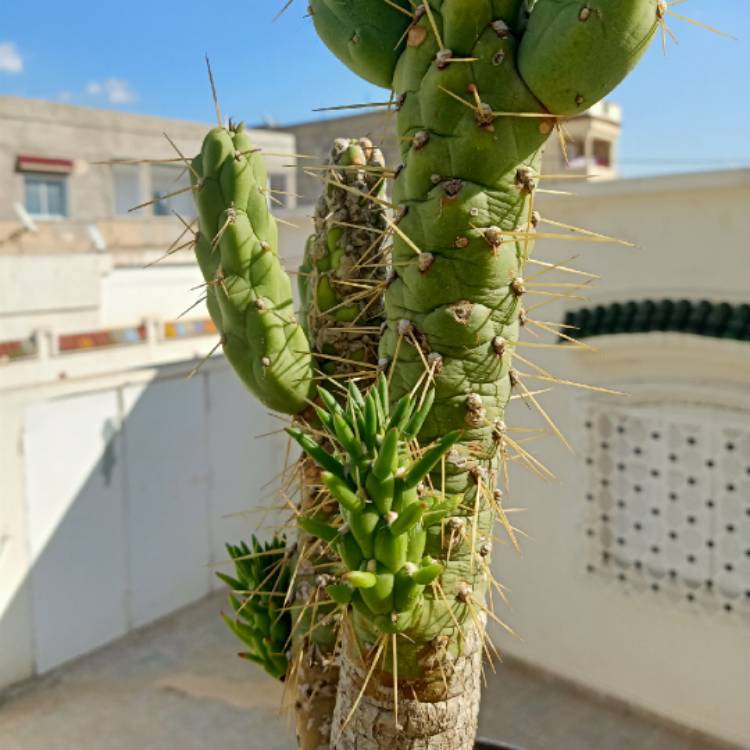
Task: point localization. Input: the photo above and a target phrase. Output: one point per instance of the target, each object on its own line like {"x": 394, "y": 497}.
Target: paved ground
{"x": 176, "y": 686}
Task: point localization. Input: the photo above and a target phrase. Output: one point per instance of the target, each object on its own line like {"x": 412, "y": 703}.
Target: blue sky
{"x": 687, "y": 111}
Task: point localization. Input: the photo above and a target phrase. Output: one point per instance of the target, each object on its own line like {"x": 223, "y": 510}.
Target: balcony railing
{"x": 45, "y": 344}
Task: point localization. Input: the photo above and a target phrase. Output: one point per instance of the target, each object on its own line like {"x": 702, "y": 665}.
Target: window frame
{"x": 45, "y": 178}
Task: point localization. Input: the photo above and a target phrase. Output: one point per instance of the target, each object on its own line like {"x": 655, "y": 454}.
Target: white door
{"x": 75, "y": 490}
{"x": 167, "y": 487}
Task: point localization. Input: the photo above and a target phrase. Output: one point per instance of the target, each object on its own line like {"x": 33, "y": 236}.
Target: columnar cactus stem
{"x": 479, "y": 85}
{"x": 340, "y": 284}
{"x": 249, "y": 295}
{"x": 341, "y": 279}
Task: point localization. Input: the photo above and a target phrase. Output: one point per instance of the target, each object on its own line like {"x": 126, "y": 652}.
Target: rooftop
{"x": 178, "y": 684}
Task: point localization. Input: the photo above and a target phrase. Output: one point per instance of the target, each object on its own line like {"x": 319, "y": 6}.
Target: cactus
{"x": 479, "y": 85}
{"x": 257, "y": 594}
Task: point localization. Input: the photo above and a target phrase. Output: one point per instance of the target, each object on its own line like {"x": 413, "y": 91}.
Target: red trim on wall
{"x": 25, "y": 163}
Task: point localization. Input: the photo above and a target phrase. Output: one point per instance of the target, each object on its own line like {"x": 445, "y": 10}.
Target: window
{"x": 278, "y": 190}
{"x": 602, "y": 153}
{"x": 45, "y": 195}
{"x": 166, "y": 184}
{"x": 576, "y": 152}
{"x": 126, "y": 187}
{"x": 669, "y": 501}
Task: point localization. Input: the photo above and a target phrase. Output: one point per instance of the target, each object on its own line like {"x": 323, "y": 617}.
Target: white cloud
{"x": 65, "y": 96}
{"x": 10, "y": 58}
{"x": 114, "y": 90}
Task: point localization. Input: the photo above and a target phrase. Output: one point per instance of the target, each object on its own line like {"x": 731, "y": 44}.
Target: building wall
{"x": 668, "y": 645}
{"x": 37, "y": 128}
{"x": 120, "y": 487}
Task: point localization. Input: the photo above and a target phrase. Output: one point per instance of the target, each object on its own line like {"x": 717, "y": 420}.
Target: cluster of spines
{"x": 342, "y": 277}
{"x": 258, "y": 591}
{"x": 376, "y": 473}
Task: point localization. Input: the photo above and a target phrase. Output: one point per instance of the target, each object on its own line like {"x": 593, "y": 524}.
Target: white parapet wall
{"x": 634, "y": 576}
{"x": 122, "y": 479}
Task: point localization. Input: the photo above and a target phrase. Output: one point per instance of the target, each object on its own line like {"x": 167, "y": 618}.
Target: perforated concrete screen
{"x": 668, "y": 502}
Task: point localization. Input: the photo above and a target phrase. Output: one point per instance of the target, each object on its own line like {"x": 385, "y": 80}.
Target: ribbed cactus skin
{"x": 478, "y": 86}
{"x": 249, "y": 294}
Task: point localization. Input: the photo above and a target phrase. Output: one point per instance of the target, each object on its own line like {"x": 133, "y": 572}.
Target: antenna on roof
{"x": 97, "y": 238}
{"x": 29, "y": 224}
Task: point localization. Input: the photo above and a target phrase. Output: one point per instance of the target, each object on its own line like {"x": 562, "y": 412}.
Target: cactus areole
{"x": 411, "y": 463}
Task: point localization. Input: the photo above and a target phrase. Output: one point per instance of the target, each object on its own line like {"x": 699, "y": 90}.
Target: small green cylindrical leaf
{"x": 361, "y": 579}
{"x": 417, "y": 542}
{"x": 415, "y": 423}
{"x": 363, "y": 527}
{"x": 317, "y": 528}
{"x": 341, "y": 593}
{"x": 401, "y": 414}
{"x": 429, "y": 458}
{"x": 320, "y": 456}
{"x": 381, "y": 492}
{"x": 341, "y": 491}
{"x": 382, "y": 410}
{"x": 349, "y": 551}
{"x": 391, "y": 550}
{"x": 406, "y": 591}
{"x": 346, "y": 436}
{"x": 249, "y": 656}
{"x": 244, "y": 632}
{"x": 329, "y": 400}
{"x": 370, "y": 420}
{"x": 233, "y": 583}
{"x": 382, "y": 389}
{"x": 276, "y": 665}
{"x": 379, "y": 598}
{"x": 387, "y": 460}
{"x": 409, "y": 517}
{"x": 325, "y": 418}
{"x": 355, "y": 395}
{"x": 427, "y": 574}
